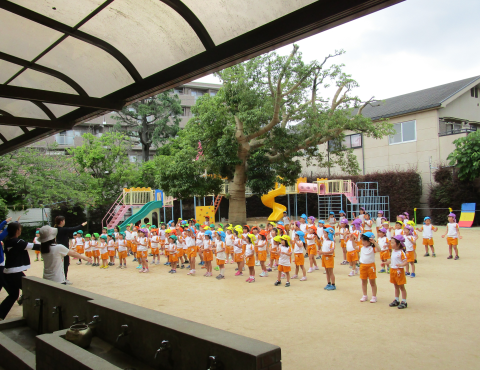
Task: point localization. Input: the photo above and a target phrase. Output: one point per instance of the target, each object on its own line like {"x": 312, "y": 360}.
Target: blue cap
{"x": 331, "y": 233}
{"x": 369, "y": 234}
{"x": 222, "y": 235}
{"x": 321, "y": 222}
{"x": 426, "y": 218}
{"x": 301, "y": 235}
{"x": 304, "y": 216}
{"x": 208, "y": 232}
{"x": 280, "y": 223}
{"x": 342, "y": 211}
{"x": 332, "y": 213}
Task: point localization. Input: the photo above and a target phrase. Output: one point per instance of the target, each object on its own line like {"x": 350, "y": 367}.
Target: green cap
{"x": 88, "y": 236}
{"x": 96, "y": 235}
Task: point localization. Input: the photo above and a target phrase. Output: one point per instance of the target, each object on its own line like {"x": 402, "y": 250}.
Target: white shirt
{"x": 128, "y": 235}
{"x": 142, "y": 244}
{"x": 155, "y": 239}
{"x": 94, "y": 245}
{"x": 367, "y": 255}
{"x": 303, "y": 227}
{"x": 382, "y": 243}
{"x": 237, "y": 246}
{"x": 199, "y": 239}
{"x": 103, "y": 248}
{"x": 189, "y": 241}
{"x": 78, "y": 241}
{"x": 319, "y": 231}
{"x": 53, "y": 263}
{"x": 284, "y": 260}
{"x": 328, "y": 246}
{"x": 122, "y": 245}
{"x": 408, "y": 243}
{"x": 389, "y": 234}
{"x": 87, "y": 246}
{"x": 229, "y": 240}
{"x": 310, "y": 239}
{"x": 379, "y": 222}
{"x": 219, "y": 245}
{"x": 362, "y": 217}
{"x": 342, "y": 233}
{"x": 161, "y": 234}
{"x": 298, "y": 246}
{"x": 368, "y": 225}
{"x": 396, "y": 258}
{"x": 452, "y": 230}
{"x": 249, "y": 250}
{"x": 398, "y": 232}
{"x": 262, "y": 245}
{"x": 286, "y": 220}
{"x": 350, "y": 247}
{"x": 427, "y": 231}
{"x": 111, "y": 245}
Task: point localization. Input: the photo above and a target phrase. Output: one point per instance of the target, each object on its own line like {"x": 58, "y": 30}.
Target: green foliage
{"x": 267, "y": 119}
{"x": 3, "y": 210}
{"x": 102, "y": 164}
{"x": 33, "y": 177}
{"x": 466, "y": 156}
{"x": 151, "y": 121}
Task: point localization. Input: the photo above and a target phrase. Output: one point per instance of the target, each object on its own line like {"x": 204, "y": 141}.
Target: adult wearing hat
{"x": 53, "y": 255}
{"x": 62, "y": 238}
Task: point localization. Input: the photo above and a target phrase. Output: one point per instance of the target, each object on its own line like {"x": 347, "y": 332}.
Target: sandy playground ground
{"x": 317, "y": 328}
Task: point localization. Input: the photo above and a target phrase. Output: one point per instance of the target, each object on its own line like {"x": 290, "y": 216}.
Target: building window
{"x": 213, "y": 93}
{"x": 474, "y": 92}
{"x": 132, "y": 158}
{"x": 187, "y": 112}
{"x": 64, "y": 138}
{"x": 404, "y": 132}
{"x": 353, "y": 141}
{"x": 178, "y": 91}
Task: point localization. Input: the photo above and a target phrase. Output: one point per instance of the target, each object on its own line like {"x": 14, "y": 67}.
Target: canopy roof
{"x": 63, "y": 62}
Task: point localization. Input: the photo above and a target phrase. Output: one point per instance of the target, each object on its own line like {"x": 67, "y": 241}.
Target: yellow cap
{"x": 278, "y": 239}
{"x": 287, "y": 238}
{"x": 168, "y": 231}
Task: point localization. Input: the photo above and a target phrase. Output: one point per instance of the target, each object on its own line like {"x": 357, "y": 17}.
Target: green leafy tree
{"x": 32, "y": 177}
{"x": 269, "y": 115}
{"x": 3, "y": 210}
{"x": 151, "y": 121}
{"x": 103, "y": 164}
{"x": 466, "y": 156}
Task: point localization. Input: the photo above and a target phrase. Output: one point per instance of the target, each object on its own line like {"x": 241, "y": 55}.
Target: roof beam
{"x": 190, "y": 17}
{"x": 25, "y": 93}
{"x": 25, "y": 139}
{"x": 23, "y": 122}
{"x": 73, "y": 32}
{"x": 46, "y": 70}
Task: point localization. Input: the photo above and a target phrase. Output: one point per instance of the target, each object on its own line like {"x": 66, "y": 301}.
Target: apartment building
{"x": 426, "y": 124}
{"x": 188, "y": 94}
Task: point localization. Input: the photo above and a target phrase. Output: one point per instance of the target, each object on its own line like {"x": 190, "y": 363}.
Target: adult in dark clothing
{"x": 64, "y": 233}
{"x": 17, "y": 261}
{"x": 3, "y": 235}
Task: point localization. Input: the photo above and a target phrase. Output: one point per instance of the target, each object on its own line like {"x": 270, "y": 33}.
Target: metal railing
{"x": 138, "y": 196}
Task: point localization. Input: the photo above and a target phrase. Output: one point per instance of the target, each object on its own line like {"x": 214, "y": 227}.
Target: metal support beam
{"x": 25, "y": 93}
{"x": 34, "y": 122}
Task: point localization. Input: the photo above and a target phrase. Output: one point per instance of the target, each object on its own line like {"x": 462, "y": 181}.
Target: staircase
{"x": 115, "y": 214}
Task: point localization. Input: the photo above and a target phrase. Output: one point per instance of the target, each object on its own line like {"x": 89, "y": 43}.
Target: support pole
{"x": 173, "y": 217}
{"x": 296, "y": 207}
{"x": 288, "y": 205}
{"x": 213, "y": 202}
{"x": 181, "y": 209}
{"x": 195, "y": 207}
{"x": 306, "y": 204}
{"x": 164, "y": 214}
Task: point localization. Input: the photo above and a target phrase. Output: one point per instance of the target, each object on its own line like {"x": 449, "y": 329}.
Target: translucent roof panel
{"x": 7, "y": 70}
{"x": 91, "y": 67}
{"x": 23, "y": 38}
{"x": 42, "y": 81}
{"x": 149, "y": 33}
{"x": 69, "y": 12}
{"x": 225, "y": 20}
{"x": 60, "y": 110}
{"x": 10, "y": 132}
{"x": 22, "y": 108}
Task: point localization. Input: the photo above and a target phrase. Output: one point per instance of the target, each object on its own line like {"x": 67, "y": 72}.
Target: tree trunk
{"x": 146, "y": 152}
{"x": 237, "y": 210}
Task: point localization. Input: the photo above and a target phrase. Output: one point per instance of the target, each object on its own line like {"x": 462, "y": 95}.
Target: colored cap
{"x": 173, "y": 237}
{"x": 342, "y": 211}
{"x": 426, "y": 218}
{"x": 287, "y": 238}
{"x": 301, "y": 235}
{"x": 277, "y": 238}
{"x": 123, "y": 234}
{"x": 344, "y": 221}
{"x": 280, "y": 223}
{"x": 273, "y": 224}
{"x": 381, "y": 212}
{"x": 212, "y": 226}
{"x": 400, "y": 238}
{"x": 86, "y": 236}
{"x": 104, "y": 237}
{"x": 321, "y": 222}
{"x": 369, "y": 235}
{"x": 251, "y": 237}
{"x": 383, "y": 230}
{"x": 409, "y": 228}
{"x": 222, "y": 235}
{"x": 96, "y": 235}
{"x": 304, "y": 216}
{"x": 206, "y": 227}
{"x": 362, "y": 208}
{"x": 452, "y": 215}
{"x": 332, "y": 213}
{"x": 331, "y": 233}
{"x": 208, "y": 232}
{"x": 79, "y": 232}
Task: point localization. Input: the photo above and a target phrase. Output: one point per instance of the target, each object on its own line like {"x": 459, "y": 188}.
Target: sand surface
{"x": 317, "y": 328}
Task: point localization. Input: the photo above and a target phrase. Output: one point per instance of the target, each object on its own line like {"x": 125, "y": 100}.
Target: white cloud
{"x": 411, "y": 46}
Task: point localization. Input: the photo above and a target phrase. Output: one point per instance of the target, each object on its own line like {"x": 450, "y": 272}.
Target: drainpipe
{"x": 363, "y": 155}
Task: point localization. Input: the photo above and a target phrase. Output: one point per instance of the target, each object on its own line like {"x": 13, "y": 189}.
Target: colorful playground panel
{"x": 468, "y": 215}
{"x": 203, "y": 211}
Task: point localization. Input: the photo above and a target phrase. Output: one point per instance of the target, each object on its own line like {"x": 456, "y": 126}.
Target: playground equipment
{"x": 141, "y": 202}
{"x": 468, "y": 215}
{"x": 269, "y": 201}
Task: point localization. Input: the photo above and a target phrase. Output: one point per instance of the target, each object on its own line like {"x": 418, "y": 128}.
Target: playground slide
{"x": 141, "y": 214}
{"x": 269, "y": 201}
{"x": 467, "y": 216}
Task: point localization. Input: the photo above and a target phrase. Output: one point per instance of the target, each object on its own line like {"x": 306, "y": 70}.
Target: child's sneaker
{"x": 119, "y": 267}
{"x": 449, "y": 257}
{"x": 294, "y": 277}
{"x": 402, "y": 305}
{"x": 382, "y": 271}
{"x": 303, "y": 279}
{"x": 146, "y": 270}
{"x": 456, "y": 257}
{"x": 263, "y": 274}
{"x": 238, "y": 273}
{"x": 326, "y": 286}
{"x": 277, "y": 283}
{"x": 388, "y": 270}
{"x": 434, "y": 255}
{"x": 252, "y": 280}
{"x": 158, "y": 262}
{"x": 139, "y": 267}
{"x": 231, "y": 261}
{"x": 216, "y": 268}
{"x": 407, "y": 274}
{"x": 220, "y": 277}
{"x": 395, "y": 303}
{"x": 364, "y": 298}
{"x": 412, "y": 275}
{"x": 269, "y": 269}
{"x": 426, "y": 255}
{"x": 310, "y": 270}
{"x": 316, "y": 268}
{"x": 257, "y": 263}
{"x": 352, "y": 273}
{"x": 134, "y": 260}
{"x": 332, "y": 287}
{"x": 182, "y": 267}
{"x": 319, "y": 257}
{"x": 373, "y": 300}
{"x": 141, "y": 270}
{"x": 287, "y": 284}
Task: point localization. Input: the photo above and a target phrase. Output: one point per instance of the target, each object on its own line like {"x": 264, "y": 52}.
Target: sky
{"x": 407, "y": 47}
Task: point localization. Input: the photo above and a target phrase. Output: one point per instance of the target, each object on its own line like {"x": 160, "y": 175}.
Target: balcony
{"x": 454, "y": 126}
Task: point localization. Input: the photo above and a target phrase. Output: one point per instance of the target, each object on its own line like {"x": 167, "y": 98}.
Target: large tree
{"x": 466, "y": 156}
{"x": 270, "y": 114}
{"x": 151, "y": 121}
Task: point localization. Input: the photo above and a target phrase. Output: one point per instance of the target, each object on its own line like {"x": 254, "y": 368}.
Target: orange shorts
{"x": 87, "y": 254}
{"x": 319, "y": 243}
{"x": 37, "y": 252}
{"x": 256, "y": 249}
{"x": 284, "y": 268}
{"x": 129, "y": 244}
{"x": 351, "y": 256}
{"x": 427, "y": 241}
{"x": 274, "y": 256}
{"x": 397, "y": 276}
{"x": 172, "y": 258}
{"x": 96, "y": 253}
{"x": 104, "y": 256}
{"x": 142, "y": 254}
{"x": 342, "y": 243}
{"x": 207, "y": 256}
{"x": 192, "y": 252}
{"x": 220, "y": 262}
{"x": 229, "y": 249}
{"x": 410, "y": 256}
{"x": 299, "y": 259}
{"x": 122, "y": 254}
{"x": 167, "y": 253}
{"x": 452, "y": 241}
{"x": 312, "y": 250}
{"x": 385, "y": 255}
{"x": 134, "y": 247}
{"x": 328, "y": 261}
{"x": 180, "y": 252}
{"x": 250, "y": 261}
{"x": 155, "y": 251}
{"x": 80, "y": 249}
{"x": 262, "y": 256}
{"x": 238, "y": 257}
{"x": 368, "y": 271}
{"x": 111, "y": 253}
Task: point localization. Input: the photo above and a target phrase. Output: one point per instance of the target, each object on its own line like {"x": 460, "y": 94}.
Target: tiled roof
{"x": 416, "y": 101}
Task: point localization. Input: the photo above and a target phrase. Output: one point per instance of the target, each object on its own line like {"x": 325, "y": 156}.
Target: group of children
{"x": 273, "y": 247}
